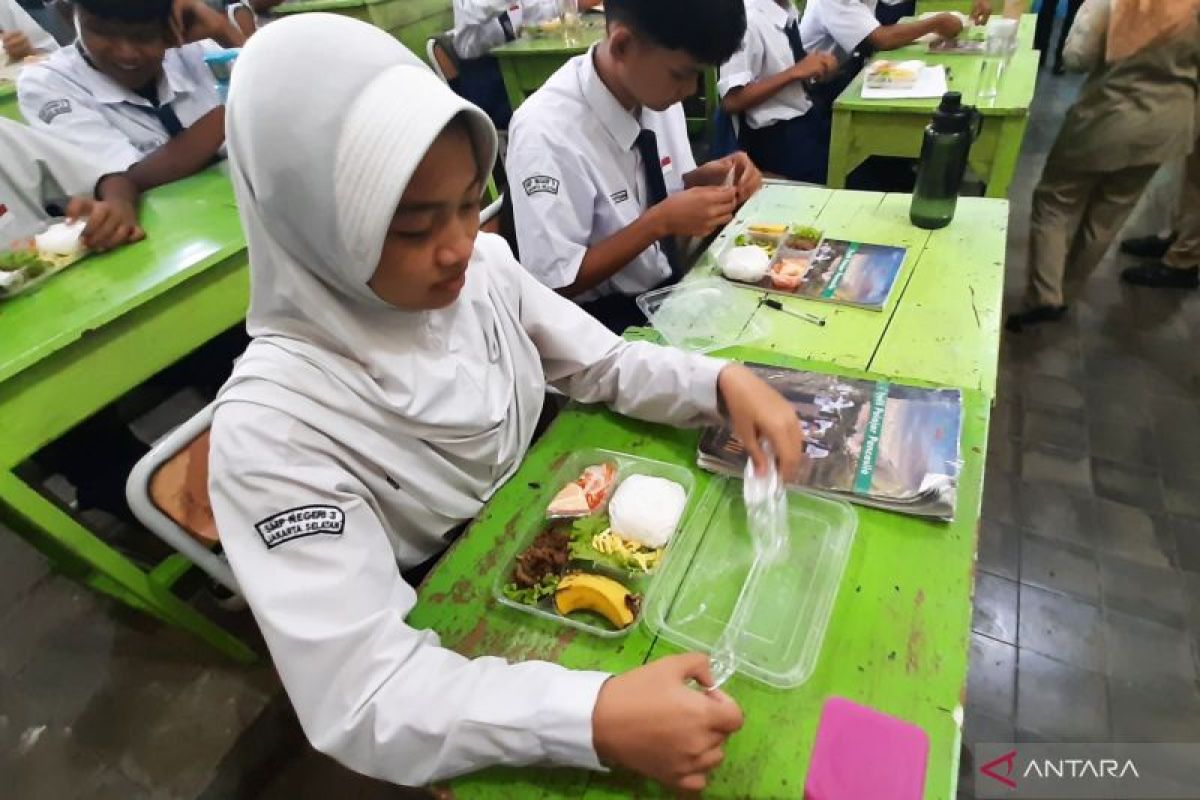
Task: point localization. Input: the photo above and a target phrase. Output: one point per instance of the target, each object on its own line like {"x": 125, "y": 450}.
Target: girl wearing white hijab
{"x": 397, "y": 370}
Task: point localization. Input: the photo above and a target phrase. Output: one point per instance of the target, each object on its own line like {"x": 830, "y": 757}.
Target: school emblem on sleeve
{"x": 620, "y": 196}
{"x": 299, "y": 522}
{"x": 539, "y": 184}
{"x": 55, "y": 108}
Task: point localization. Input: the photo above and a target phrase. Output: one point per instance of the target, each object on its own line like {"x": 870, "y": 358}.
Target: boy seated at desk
{"x": 601, "y": 173}
{"x": 133, "y": 90}
{"x": 480, "y": 26}
{"x": 20, "y": 35}
{"x": 763, "y": 85}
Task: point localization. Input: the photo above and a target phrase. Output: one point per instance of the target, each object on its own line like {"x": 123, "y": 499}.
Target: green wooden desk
{"x": 863, "y": 128}
{"x": 92, "y": 333}
{"x": 941, "y": 323}
{"x": 529, "y": 61}
{"x": 899, "y": 635}
{"x": 898, "y": 638}
{"x": 1025, "y": 31}
{"x": 410, "y": 21}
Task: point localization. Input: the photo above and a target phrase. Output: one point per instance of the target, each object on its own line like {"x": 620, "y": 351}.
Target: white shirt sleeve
{"x": 381, "y": 697}
{"x": 591, "y": 364}
{"x": 848, "y": 22}
{"x": 553, "y": 200}
{"x": 50, "y": 103}
{"x": 744, "y": 66}
{"x": 19, "y": 19}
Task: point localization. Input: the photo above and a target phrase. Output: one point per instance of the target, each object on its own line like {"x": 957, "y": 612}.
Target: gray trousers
{"x": 1186, "y": 250}
{"x": 1076, "y": 216}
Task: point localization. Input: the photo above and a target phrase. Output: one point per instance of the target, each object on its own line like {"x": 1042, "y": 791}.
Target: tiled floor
{"x": 1087, "y": 607}
{"x": 1087, "y": 621}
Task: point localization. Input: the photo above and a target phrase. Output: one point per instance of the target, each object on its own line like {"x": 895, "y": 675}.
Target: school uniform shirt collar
{"x": 621, "y": 125}
{"x": 174, "y": 79}
{"x": 776, "y": 14}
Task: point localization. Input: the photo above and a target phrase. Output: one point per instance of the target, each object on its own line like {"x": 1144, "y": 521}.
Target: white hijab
{"x": 322, "y": 146}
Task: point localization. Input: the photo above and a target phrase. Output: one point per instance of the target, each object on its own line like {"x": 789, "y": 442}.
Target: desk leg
{"x": 86, "y": 558}
{"x": 512, "y": 83}
{"x": 839, "y": 149}
{"x": 1008, "y": 153}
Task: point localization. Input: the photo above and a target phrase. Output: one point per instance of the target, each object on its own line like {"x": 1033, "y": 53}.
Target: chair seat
{"x": 179, "y": 489}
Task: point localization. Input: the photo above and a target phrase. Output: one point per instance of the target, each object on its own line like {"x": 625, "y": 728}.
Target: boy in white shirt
{"x": 781, "y": 128}
{"x": 134, "y": 83}
{"x": 480, "y": 26}
{"x": 20, "y": 35}
{"x": 601, "y": 173}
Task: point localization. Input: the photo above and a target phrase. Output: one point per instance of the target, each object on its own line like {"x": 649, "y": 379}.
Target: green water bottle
{"x": 943, "y": 162}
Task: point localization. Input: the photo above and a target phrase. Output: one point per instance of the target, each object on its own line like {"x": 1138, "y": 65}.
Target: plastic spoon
{"x": 766, "y": 518}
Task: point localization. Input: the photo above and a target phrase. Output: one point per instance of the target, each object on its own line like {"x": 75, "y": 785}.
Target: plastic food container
{"x": 704, "y": 315}
{"x": 535, "y": 522}
{"x": 695, "y": 591}
{"x": 22, "y": 278}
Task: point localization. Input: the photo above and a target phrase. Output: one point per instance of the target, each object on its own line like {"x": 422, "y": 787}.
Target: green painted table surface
{"x": 863, "y": 128}
{"x": 942, "y": 321}
{"x": 1025, "y": 32}
{"x": 899, "y": 634}
{"x": 90, "y": 334}
{"x": 529, "y": 61}
{"x": 926, "y": 6}
{"x": 897, "y": 640}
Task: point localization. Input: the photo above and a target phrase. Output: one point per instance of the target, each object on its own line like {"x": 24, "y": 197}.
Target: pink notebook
{"x": 863, "y": 753}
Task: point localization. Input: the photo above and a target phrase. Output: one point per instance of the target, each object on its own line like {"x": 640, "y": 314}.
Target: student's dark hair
{"x": 710, "y": 31}
{"x": 129, "y": 10}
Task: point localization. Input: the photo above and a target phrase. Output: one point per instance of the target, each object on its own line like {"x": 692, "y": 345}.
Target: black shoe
{"x": 1160, "y": 276}
{"x": 1034, "y": 316}
{"x": 1147, "y": 246}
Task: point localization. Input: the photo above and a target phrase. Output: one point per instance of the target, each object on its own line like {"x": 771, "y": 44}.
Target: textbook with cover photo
{"x": 799, "y": 261}
{"x": 877, "y": 443}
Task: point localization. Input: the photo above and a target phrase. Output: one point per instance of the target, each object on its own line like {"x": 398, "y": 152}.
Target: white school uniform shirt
{"x": 378, "y": 695}
{"x": 837, "y": 26}
{"x": 576, "y": 177}
{"x": 15, "y": 18}
{"x": 66, "y": 96}
{"x": 765, "y": 51}
{"x": 477, "y": 27}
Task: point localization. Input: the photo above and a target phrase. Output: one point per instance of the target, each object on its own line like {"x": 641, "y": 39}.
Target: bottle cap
{"x": 952, "y": 116}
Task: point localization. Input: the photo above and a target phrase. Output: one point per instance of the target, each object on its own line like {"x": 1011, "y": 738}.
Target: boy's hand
{"x": 815, "y": 66}
{"x": 981, "y": 11}
{"x": 756, "y": 411}
{"x": 650, "y": 721}
{"x": 947, "y": 25}
{"x": 16, "y": 45}
{"x": 747, "y": 177}
{"x": 695, "y": 212}
{"x": 110, "y": 223}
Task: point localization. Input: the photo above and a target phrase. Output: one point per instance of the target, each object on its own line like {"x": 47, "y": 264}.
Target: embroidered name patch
{"x": 620, "y": 197}
{"x": 55, "y": 108}
{"x": 540, "y": 183}
{"x": 296, "y": 523}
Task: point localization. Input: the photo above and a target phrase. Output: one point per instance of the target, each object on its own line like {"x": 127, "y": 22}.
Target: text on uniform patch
{"x": 540, "y": 183}
{"x": 55, "y": 108}
{"x": 296, "y": 523}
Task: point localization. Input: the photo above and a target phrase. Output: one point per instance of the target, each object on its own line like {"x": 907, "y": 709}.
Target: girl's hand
{"x": 756, "y": 411}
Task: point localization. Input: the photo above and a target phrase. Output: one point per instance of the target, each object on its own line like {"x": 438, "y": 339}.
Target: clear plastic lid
{"x": 696, "y": 589}
{"x": 704, "y": 315}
